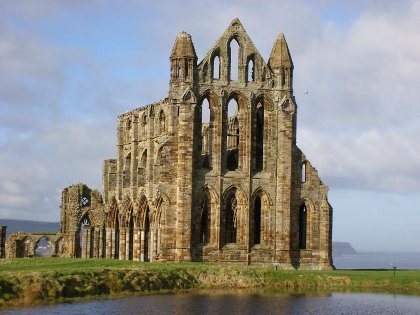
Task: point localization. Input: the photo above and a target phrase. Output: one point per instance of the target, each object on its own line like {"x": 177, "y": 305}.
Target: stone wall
{"x": 22, "y": 244}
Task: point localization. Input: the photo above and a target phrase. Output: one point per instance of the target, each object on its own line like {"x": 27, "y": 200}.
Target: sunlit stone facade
{"x": 210, "y": 173}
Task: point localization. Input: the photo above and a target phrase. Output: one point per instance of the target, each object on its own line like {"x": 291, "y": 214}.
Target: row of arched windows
{"x": 161, "y": 157}
{"x": 160, "y": 126}
{"x": 232, "y": 136}
{"x": 234, "y": 57}
{"x": 121, "y": 227}
{"x": 230, "y": 220}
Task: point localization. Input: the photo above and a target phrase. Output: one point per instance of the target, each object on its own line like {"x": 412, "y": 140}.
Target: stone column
{"x": 142, "y": 245}
{"x": 136, "y": 244}
{"x": 151, "y": 247}
{"x": 184, "y": 179}
{"x": 127, "y": 243}
{"x": 286, "y": 217}
{"x": 84, "y": 244}
{"x": 3, "y": 241}
{"x": 110, "y": 243}
{"x": 121, "y": 255}
{"x": 95, "y": 240}
{"x": 101, "y": 248}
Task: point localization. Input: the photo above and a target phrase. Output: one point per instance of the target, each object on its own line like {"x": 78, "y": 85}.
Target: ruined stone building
{"x": 210, "y": 173}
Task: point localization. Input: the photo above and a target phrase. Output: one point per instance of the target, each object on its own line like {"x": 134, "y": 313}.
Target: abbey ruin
{"x": 210, "y": 173}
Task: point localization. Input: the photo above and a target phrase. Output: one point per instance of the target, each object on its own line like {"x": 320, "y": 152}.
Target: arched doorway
{"x": 43, "y": 248}
{"x": 84, "y": 242}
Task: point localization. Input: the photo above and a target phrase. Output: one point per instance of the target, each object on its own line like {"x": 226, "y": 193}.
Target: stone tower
{"x": 211, "y": 172}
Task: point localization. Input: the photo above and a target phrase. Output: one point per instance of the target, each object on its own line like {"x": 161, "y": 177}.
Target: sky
{"x": 68, "y": 68}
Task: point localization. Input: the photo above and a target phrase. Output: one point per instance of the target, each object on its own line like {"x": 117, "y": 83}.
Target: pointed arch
{"x": 84, "y": 243}
{"x": 161, "y": 122}
{"x": 206, "y": 215}
{"x": 206, "y": 209}
{"x": 234, "y": 214}
{"x": 234, "y": 49}
{"x": 144, "y": 126}
{"x": 144, "y": 222}
{"x": 303, "y": 216}
{"x": 111, "y": 219}
{"x": 43, "y": 247}
{"x": 261, "y": 110}
{"x": 189, "y": 96}
{"x": 303, "y": 172}
{"x": 159, "y": 223}
{"x": 126, "y": 232}
{"x": 235, "y": 131}
{"x": 127, "y": 212}
{"x": 142, "y": 211}
{"x": 250, "y": 69}
{"x": 261, "y": 218}
{"x": 216, "y": 65}
{"x": 112, "y": 224}
{"x": 161, "y": 203}
{"x": 206, "y": 117}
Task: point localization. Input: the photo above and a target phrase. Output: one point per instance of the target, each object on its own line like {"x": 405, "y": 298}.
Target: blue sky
{"x": 68, "y": 68}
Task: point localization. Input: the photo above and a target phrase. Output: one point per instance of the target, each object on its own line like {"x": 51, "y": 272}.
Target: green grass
{"x": 45, "y": 280}
{"x": 72, "y": 265}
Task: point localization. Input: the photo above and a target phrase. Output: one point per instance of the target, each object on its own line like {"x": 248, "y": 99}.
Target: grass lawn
{"x": 26, "y": 281}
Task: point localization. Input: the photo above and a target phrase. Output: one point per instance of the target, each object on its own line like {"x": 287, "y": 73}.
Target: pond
{"x": 240, "y": 302}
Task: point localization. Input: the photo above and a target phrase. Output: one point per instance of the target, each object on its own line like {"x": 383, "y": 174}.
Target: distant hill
{"x": 29, "y": 226}
{"x": 343, "y": 248}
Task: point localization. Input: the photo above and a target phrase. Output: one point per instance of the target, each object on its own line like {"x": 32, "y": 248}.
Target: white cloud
{"x": 360, "y": 121}
{"x": 59, "y": 99}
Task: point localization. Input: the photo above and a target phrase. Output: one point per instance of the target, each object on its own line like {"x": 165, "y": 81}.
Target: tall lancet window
{"x": 216, "y": 68}
{"x": 302, "y": 226}
{"x": 250, "y": 71}
{"x": 259, "y": 137}
{"x": 206, "y": 130}
{"x": 231, "y": 220}
{"x": 232, "y": 136}
{"x": 257, "y": 220}
{"x": 205, "y": 219}
{"x": 234, "y": 59}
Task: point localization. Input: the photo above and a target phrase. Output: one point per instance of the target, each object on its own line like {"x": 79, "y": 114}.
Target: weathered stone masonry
{"x": 210, "y": 173}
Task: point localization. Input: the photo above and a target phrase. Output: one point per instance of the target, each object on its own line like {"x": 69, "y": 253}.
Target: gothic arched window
{"x": 257, "y": 220}
{"x": 216, "y": 68}
{"x": 234, "y": 59}
{"x": 250, "y": 71}
{"x": 302, "y": 226}
{"x": 204, "y": 234}
{"x": 231, "y": 220}
{"x": 232, "y": 136}
{"x": 162, "y": 122}
{"x": 259, "y": 138}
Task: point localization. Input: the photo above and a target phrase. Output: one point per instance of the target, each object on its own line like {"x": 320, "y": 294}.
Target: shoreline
{"x": 84, "y": 280}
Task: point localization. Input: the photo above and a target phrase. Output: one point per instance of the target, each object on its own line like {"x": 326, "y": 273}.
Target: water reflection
{"x": 241, "y": 302}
